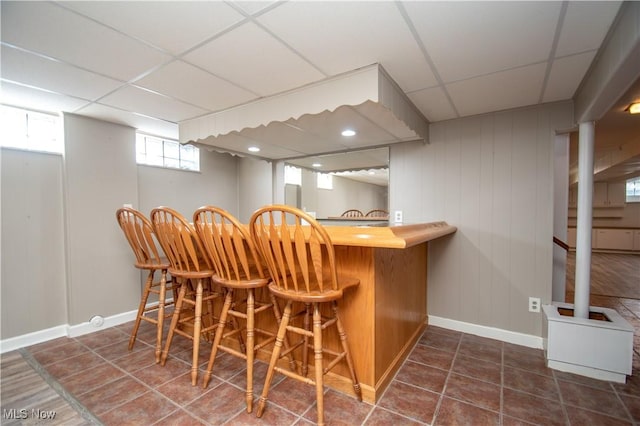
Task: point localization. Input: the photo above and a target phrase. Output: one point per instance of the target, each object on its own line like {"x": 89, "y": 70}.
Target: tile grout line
{"x": 60, "y": 390}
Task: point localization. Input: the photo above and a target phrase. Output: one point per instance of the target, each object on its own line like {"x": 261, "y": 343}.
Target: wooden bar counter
{"x": 385, "y": 315}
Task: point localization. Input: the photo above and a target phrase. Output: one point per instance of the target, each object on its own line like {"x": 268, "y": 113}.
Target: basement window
{"x": 167, "y": 153}
{"x": 633, "y": 190}
{"x": 30, "y": 130}
{"x": 325, "y": 181}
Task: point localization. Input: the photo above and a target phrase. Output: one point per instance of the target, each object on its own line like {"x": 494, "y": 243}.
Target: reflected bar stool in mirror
{"x": 240, "y": 274}
{"x": 139, "y": 233}
{"x": 178, "y": 239}
{"x": 301, "y": 261}
{"x": 352, "y": 213}
{"x": 378, "y": 213}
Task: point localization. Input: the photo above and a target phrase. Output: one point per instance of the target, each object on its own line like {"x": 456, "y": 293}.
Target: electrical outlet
{"x": 397, "y": 217}
{"x": 534, "y": 304}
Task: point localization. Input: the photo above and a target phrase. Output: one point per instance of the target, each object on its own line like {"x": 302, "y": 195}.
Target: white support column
{"x": 585, "y": 219}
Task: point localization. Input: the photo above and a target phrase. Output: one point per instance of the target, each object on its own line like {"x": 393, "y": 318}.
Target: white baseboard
{"x": 88, "y": 327}
{"x": 64, "y": 330}
{"x": 489, "y": 332}
{"x": 13, "y": 343}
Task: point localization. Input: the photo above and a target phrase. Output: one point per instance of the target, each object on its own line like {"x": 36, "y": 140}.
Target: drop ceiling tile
{"x": 291, "y": 138}
{"x": 143, "y": 124}
{"x": 236, "y": 143}
{"x": 342, "y": 36}
{"x": 566, "y": 74}
{"x": 59, "y": 33}
{"x": 498, "y": 91}
{"x": 329, "y": 126}
{"x": 145, "y": 102}
{"x": 37, "y": 71}
{"x": 186, "y": 82}
{"x": 32, "y": 98}
{"x": 253, "y": 59}
{"x": 468, "y": 39}
{"x": 433, "y": 104}
{"x": 252, "y": 7}
{"x": 157, "y": 22}
{"x": 585, "y": 26}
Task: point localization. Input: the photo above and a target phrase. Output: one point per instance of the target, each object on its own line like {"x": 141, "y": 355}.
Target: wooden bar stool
{"x": 239, "y": 272}
{"x": 139, "y": 233}
{"x": 178, "y": 239}
{"x": 301, "y": 261}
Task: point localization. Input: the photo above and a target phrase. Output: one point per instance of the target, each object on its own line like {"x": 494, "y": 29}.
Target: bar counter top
{"x": 394, "y": 236}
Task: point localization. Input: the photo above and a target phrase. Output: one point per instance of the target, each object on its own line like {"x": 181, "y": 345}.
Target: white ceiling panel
{"x": 156, "y": 23}
{"x": 562, "y": 82}
{"x": 252, "y": 7}
{"x": 354, "y": 35}
{"x": 504, "y": 90}
{"x": 236, "y": 143}
{"x": 329, "y": 127}
{"x": 291, "y": 137}
{"x": 251, "y": 58}
{"x": 433, "y": 103}
{"x": 143, "y": 124}
{"x": 187, "y": 82}
{"x": 468, "y": 39}
{"x": 585, "y": 26}
{"x": 33, "y": 70}
{"x": 145, "y": 102}
{"x": 54, "y": 31}
{"x": 28, "y": 97}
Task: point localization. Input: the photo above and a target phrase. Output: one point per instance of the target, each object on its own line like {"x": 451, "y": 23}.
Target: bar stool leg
{"x": 345, "y": 348}
{"x": 143, "y": 304}
{"x": 218, "y": 336}
{"x": 197, "y": 326}
{"x": 319, "y": 367}
{"x": 305, "y": 352}
{"x": 160, "y": 321}
{"x": 250, "y": 346}
{"x": 174, "y": 321}
{"x": 282, "y": 330}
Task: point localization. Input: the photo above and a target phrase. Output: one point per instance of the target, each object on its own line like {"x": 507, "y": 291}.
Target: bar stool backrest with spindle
{"x": 139, "y": 233}
{"x": 352, "y": 213}
{"x": 301, "y": 261}
{"x": 188, "y": 264}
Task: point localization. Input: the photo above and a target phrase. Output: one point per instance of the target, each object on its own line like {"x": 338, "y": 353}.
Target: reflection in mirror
{"x": 329, "y": 185}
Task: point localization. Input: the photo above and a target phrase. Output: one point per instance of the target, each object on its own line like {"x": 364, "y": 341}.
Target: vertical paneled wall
{"x": 101, "y": 175}
{"x": 32, "y": 286}
{"x": 255, "y": 186}
{"x": 185, "y": 191}
{"x": 492, "y": 177}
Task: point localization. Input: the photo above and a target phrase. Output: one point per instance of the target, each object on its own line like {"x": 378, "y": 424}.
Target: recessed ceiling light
{"x": 254, "y": 149}
{"x": 348, "y": 132}
{"x": 316, "y": 165}
{"x": 634, "y": 108}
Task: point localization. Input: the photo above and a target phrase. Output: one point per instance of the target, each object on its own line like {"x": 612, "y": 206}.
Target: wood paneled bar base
{"x": 385, "y": 315}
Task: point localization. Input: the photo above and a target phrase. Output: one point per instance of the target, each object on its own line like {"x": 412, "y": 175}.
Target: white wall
{"x": 64, "y": 258}
{"x": 33, "y": 284}
{"x": 255, "y": 183}
{"x": 492, "y": 177}
{"x": 216, "y": 184}
{"x": 101, "y": 175}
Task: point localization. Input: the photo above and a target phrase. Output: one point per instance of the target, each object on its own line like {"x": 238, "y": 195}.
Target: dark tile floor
{"x": 450, "y": 378}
